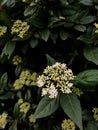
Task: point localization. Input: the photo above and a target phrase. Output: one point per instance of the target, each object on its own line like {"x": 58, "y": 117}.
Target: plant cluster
{"x": 48, "y": 64}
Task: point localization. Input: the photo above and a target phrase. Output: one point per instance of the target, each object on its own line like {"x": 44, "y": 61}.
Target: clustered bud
{"x": 25, "y": 79}
{"x": 95, "y": 113}
{"x": 24, "y": 107}
{"x": 68, "y": 124}
{"x": 32, "y": 118}
{"x": 96, "y": 25}
{"x": 56, "y": 78}
{"x": 3, "y": 30}
{"x": 17, "y": 60}
{"x": 3, "y": 120}
{"x": 77, "y": 91}
{"x": 20, "y": 28}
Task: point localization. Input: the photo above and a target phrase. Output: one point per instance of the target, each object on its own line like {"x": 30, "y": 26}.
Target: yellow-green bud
{"x": 3, "y": 30}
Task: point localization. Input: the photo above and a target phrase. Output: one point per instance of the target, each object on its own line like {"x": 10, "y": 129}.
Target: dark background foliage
{"x": 60, "y": 29}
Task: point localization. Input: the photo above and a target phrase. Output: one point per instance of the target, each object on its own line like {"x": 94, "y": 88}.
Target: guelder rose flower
{"x": 54, "y": 79}
{"x": 40, "y": 83}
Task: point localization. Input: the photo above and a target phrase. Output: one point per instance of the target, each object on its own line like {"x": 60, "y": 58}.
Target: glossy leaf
{"x": 63, "y": 35}
{"x": 3, "y": 81}
{"x": 28, "y": 96}
{"x": 46, "y": 107}
{"x": 91, "y": 126}
{"x": 50, "y": 60}
{"x": 91, "y": 54}
{"x": 9, "y": 3}
{"x": 80, "y": 28}
{"x": 33, "y": 42}
{"x": 87, "y": 78}
{"x": 87, "y": 19}
{"x": 8, "y": 49}
{"x": 72, "y": 108}
{"x": 44, "y": 34}
{"x": 86, "y": 2}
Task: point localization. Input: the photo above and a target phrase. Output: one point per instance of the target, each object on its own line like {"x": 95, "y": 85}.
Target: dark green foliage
{"x": 59, "y": 31}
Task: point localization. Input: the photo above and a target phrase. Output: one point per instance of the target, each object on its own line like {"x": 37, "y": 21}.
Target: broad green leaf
{"x": 91, "y": 54}
{"x": 44, "y": 34}
{"x": 38, "y": 21}
{"x": 46, "y": 107}
{"x": 87, "y": 19}
{"x": 73, "y": 17}
{"x": 7, "y": 95}
{"x": 13, "y": 125}
{"x": 80, "y": 28}
{"x": 63, "y": 35}
{"x": 33, "y": 42}
{"x": 72, "y": 108}
{"x": 87, "y": 78}
{"x": 91, "y": 126}
{"x": 9, "y": 3}
{"x": 50, "y": 60}
{"x": 8, "y": 49}
{"x": 52, "y": 21}
{"x": 53, "y": 36}
{"x": 3, "y": 81}
{"x": 86, "y": 115}
{"x": 86, "y": 38}
{"x": 29, "y": 11}
{"x": 86, "y": 2}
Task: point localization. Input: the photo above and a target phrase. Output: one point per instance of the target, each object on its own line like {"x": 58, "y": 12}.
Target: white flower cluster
{"x": 56, "y": 78}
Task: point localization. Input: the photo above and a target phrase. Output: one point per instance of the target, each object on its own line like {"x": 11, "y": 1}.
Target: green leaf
{"x": 16, "y": 110}
{"x": 72, "y": 108}
{"x": 87, "y": 19}
{"x": 53, "y": 36}
{"x": 8, "y": 49}
{"x": 91, "y": 54}
{"x": 3, "y": 81}
{"x": 80, "y": 28}
{"x": 87, "y": 78}
{"x": 28, "y": 96}
{"x": 46, "y": 107}
{"x": 44, "y": 34}
{"x": 91, "y": 126}
{"x": 13, "y": 125}
{"x": 33, "y": 42}
{"x": 18, "y": 69}
{"x": 86, "y": 2}
{"x": 9, "y": 3}
{"x": 30, "y": 11}
{"x": 6, "y": 96}
{"x": 89, "y": 36}
{"x": 50, "y": 60}
{"x": 63, "y": 35}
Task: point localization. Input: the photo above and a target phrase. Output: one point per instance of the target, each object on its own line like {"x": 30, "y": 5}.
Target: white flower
{"x": 40, "y": 82}
{"x": 45, "y": 91}
{"x": 70, "y": 85}
{"x": 69, "y": 71}
{"x": 53, "y": 92}
{"x": 68, "y": 91}
{"x": 56, "y": 78}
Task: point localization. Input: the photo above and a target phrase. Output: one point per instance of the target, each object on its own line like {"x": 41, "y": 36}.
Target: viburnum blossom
{"x": 56, "y": 78}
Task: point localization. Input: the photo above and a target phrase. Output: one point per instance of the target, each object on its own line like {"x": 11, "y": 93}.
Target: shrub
{"x": 48, "y": 64}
